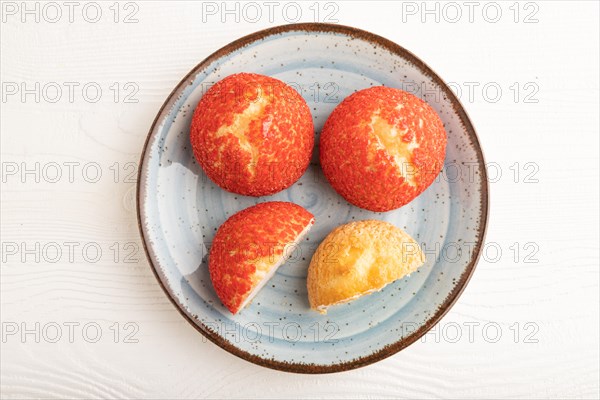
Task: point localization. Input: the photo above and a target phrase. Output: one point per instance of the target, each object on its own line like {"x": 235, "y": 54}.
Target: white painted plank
{"x": 559, "y": 214}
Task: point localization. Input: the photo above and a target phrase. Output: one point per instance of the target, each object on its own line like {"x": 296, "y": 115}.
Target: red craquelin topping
{"x": 252, "y": 134}
{"x": 382, "y": 147}
{"x": 249, "y": 244}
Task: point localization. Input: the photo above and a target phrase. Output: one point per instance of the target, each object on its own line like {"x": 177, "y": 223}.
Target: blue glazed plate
{"x": 180, "y": 209}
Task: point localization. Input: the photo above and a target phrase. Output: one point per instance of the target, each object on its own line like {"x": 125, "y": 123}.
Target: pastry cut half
{"x": 359, "y": 258}
{"x": 250, "y": 246}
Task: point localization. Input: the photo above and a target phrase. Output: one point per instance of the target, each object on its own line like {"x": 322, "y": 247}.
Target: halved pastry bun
{"x": 357, "y": 259}
{"x": 250, "y": 246}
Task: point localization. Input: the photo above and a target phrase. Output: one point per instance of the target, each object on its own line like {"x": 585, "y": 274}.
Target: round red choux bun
{"x": 382, "y": 147}
{"x": 252, "y": 134}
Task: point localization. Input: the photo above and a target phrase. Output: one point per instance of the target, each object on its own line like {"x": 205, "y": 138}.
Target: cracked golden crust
{"x": 357, "y": 259}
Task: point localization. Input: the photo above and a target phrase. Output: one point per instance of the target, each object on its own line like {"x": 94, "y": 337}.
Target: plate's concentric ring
{"x": 179, "y": 209}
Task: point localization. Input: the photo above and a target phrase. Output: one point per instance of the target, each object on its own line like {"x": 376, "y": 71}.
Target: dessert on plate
{"x": 252, "y": 134}
{"x": 250, "y": 246}
{"x": 359, "y": 258}
{"x": 381, "y": 147}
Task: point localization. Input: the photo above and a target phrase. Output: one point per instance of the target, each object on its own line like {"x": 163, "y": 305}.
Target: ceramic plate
{"x": 180, "y": 209}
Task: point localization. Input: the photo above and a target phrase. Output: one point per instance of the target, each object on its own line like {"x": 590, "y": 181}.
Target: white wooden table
{"x": 82, "y": 314}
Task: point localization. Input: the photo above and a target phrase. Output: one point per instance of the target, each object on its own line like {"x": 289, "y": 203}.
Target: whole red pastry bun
{"x": 382, "y": 147}
{"x": 252, "y": 134}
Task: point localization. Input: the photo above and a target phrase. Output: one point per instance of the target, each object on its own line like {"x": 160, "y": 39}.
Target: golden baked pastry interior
{"x": 360, "y": 258}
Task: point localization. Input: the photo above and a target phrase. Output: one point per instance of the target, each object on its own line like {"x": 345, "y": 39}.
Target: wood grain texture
{"x": 556, "y": 357}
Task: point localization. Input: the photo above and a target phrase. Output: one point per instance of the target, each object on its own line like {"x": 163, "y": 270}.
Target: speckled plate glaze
{"x": 180, "y": 209}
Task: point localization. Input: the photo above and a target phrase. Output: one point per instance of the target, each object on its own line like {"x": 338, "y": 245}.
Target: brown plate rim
{"x": 448, "y": 302}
